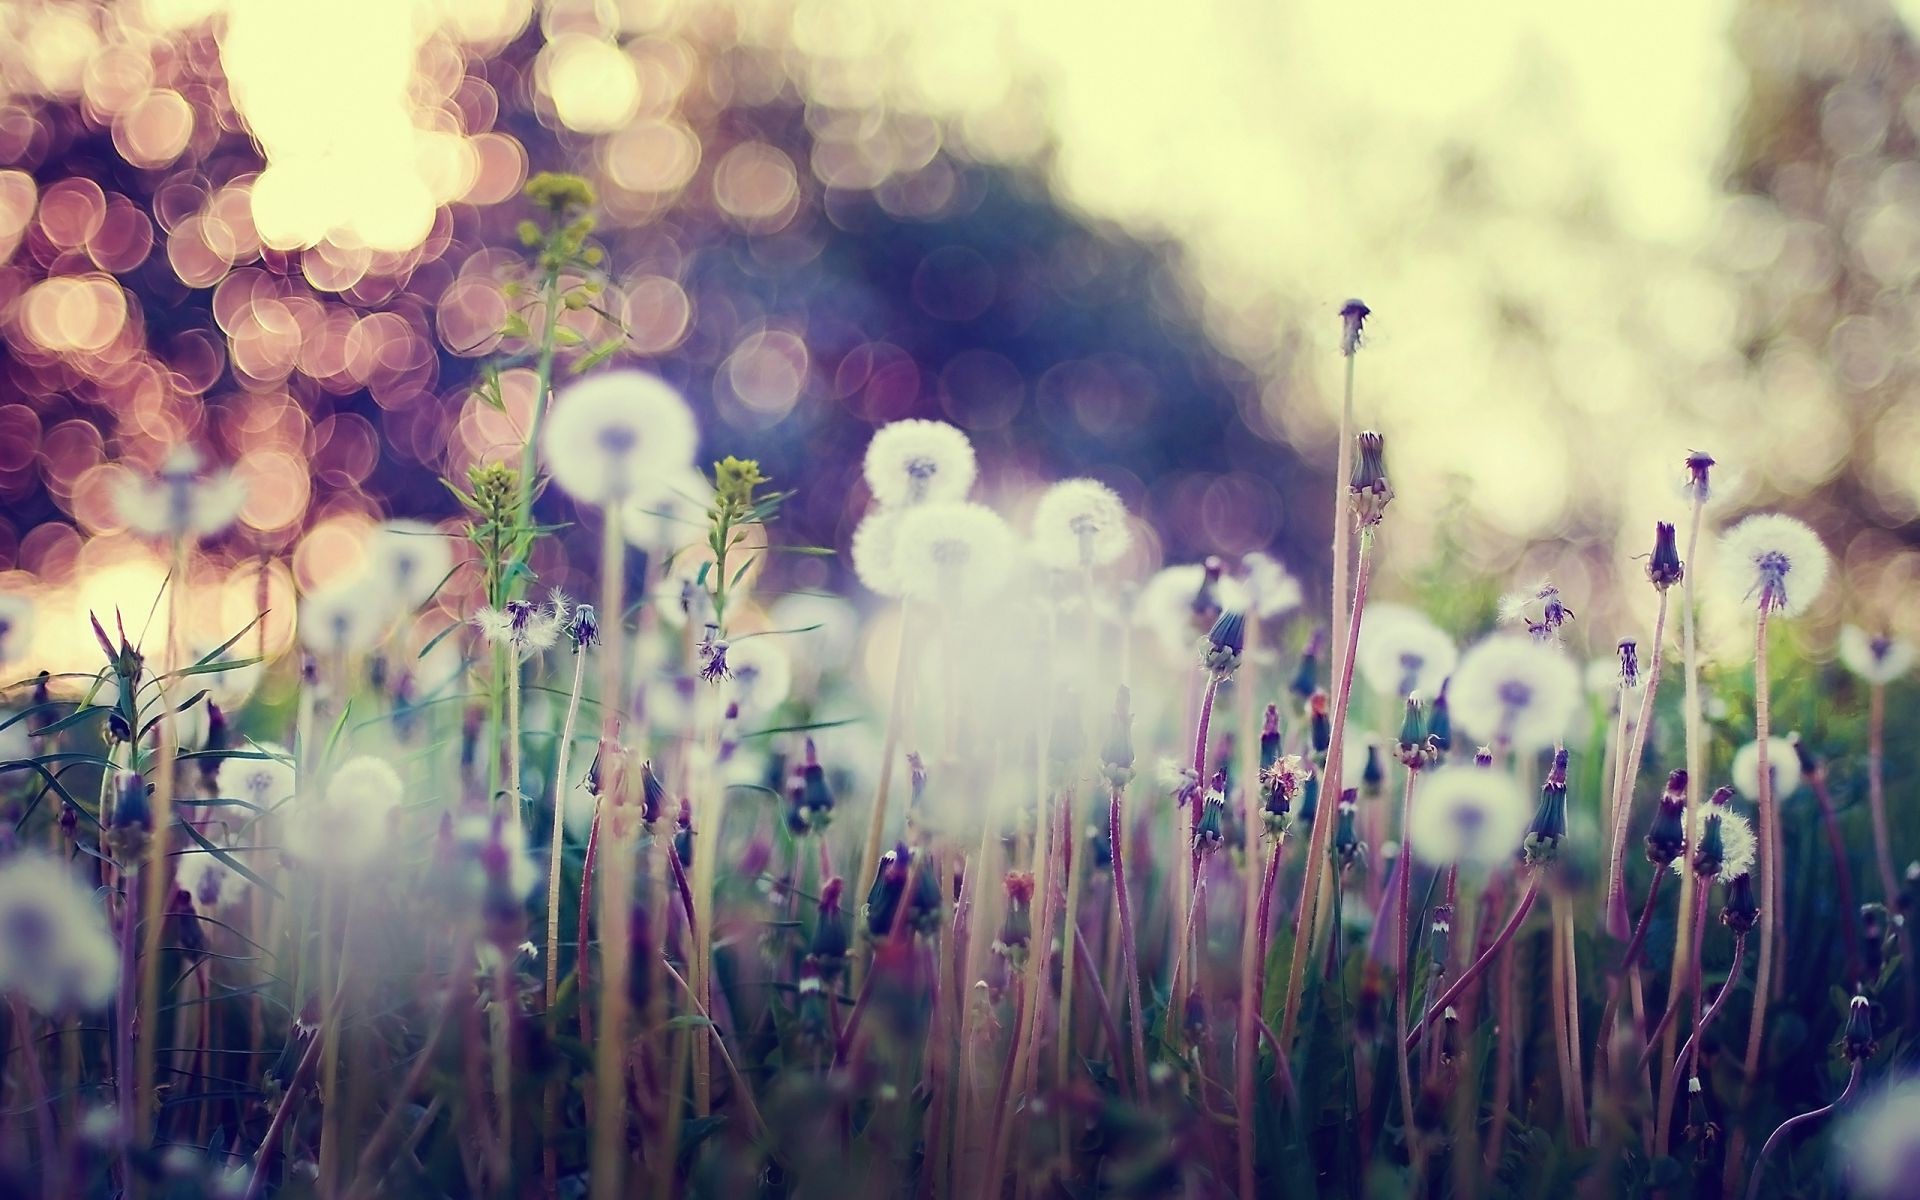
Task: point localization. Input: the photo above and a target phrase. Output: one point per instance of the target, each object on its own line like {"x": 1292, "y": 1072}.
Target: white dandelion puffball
{"x": 1271, "y": 588}
{"x": 1473, "y": 816}
{"x": 955, "y": 553}
{"x": 55, "y": 951}
{"x": 1782, "y": 763}
{"x": 349, "y": 824}
{"x": 873, "y": 545}
{"x": 263, "y": 783}
{"x": 1170, "y": 606}
{"x": 1510, "y": 688}
{"x": 1877, "y": 1147}
{"x": 192, "y": 725}
{"x": 15, "y": 742}
{"x": 616, "y": 434}
{"x": 210, "y": 881}
{"x": 16, "y": 628}
{"x": 411, "y": 558}
{"x": 760, "y": 674}
{"x": 919, "y": 462}
{"x": 1775, "y": 562}
{"x": 1737, "y": 844}
{"x": 1874, "y": 657}
{"x": 1080, "y": 523}
{"x": 821, "y": 629}
{"x": 347, "y": 617}
{"x": 231, "y": 686}
{"x": 667, "y": 511}
{"x": 477, "y": 834}
{"x": 179, "y": 502}
{"x": 1402, "y": 652}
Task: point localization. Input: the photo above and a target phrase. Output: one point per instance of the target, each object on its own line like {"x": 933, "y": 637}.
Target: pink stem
{"x": 1473, "y": 972}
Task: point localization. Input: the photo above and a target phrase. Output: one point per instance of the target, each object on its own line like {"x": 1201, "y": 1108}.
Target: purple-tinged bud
{"x": 1370, "y": 491}
{"x": 1353, "y": 319}
{"x": 1667, "y": 837}
{"x": 653, "y": 795}
{"x": 1307, "y": 676}
{"x": 1543, "y": 840}
{"x": 1664, "y": 567}
{"x": 1225, "y": 644}
{"x": 1858, "y": 1038}
{"x": 583, "y": 628}
{"x": 1740, "y": 911}
{"x": 1629, "y": 651}
{"x": 831, "y": 935}
{"x": 1319, "y": 724}
{"x": 1699, "y": 463}
{"x": 1016, "y": 929}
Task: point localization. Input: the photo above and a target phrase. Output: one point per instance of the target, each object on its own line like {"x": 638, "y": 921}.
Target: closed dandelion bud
{"x": 132, "y": 825}
{"x": 1809, "y": 765}
{"x": 1440, "y": 934}
{"x": 831, "y": 935}
{"x": 1210, "y": 833}
{"x": 1699, "y": 464}
{"x": 1450, "y": 1036}
{"x": 1306, "y": 677}
{"x": 653, "y": 795}
{"x": 1310, "y": 797}
{"x": 1664, "y": 568}
{"x": 583, "y": 628}
{"x": 1116, "y": 753}
{"x": 1280, "y": 783}
{"x": 1353, "y": 319}
{"x": 1373, "y": 773}
{"x": 1667, "y": 836}
{"x": 683, "y": 833}
{"x": 1319, "y": 724}
{"x": 813, "y": 799}
{"x": 1413, "y": 746}
{"x": 1550, "y": 819}
{"x": 1440, "y": 723}
{"x": 1016, "y": 929}
{"x": 1858, "y": 1039}
{"x": 1873, "y": 937}
{"x": 1370, "y": 490}
{"x": 1269, "y": 738}
{"x": 1346, "y": 836}
{"x": 1225, "y": 644}
{"x": 883, "y": 898}
{"x": 1194, "y": 1016}
{"x": 1711, "y": 854}
{"x": 1740, "y": 911}
{"x": 923, "y": 905}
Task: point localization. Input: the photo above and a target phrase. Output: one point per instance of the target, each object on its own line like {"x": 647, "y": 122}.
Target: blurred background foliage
{"x": 1103, "y": 238}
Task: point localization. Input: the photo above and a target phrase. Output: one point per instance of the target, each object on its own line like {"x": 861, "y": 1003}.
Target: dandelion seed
{"x": 919, "y": 462}
{"x": 1513, "y": 689}
{"x": 1080, "y": 524}
{"x": 1783, "y": 763}
{"x": 1539, "y": 609}
{"x": 181, "y": 502}
{"x": 1877, "y": 1148}
{"x": 1875, "y": 657}
{"x": 1775, "y": 562}
{"x": 1469, "y": 816}
{"x": 55, "y": 951}
{"x": 1401, "y": 651}
{"x": 525, "y": 627}
{"x": 410, "y": 558}
{"x": 613, "y": 436}
{"x": 956, "y": 553}
{"x": 16, "y": 628}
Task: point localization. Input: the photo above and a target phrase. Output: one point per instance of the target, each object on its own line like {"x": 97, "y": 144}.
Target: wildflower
{"x": 1549, "y": 826}
{"x": 412, "y": 558}
{"x": 264, "y": 784}
{"x": 1226, "y": 642}
{"x": 345, "y": 618}
{"x": 55, "y": 951}
{"x": 525, "y": 627}
{"x": 761, "y": 675}
{"x": 1353, "y": 319}
{"x": 1539, "y": 609}
{"x": 1667, "y": 836}
{"x": 712, "y": 650}
{"x": 1877, "y": 657}
{"x": 559, "y": 192}
{"x": 583, "y": 628}
{"x": 1369, "y": 491}
{"x": 1271, "y": 588}
{"x": 348, "y": 824}
{"x": 1723, "y": 839}
{"x": 1515, "y": 690}
{"x": 608, "y": 437}
{"x": 918, "y": 462}
{"x": 1664, "y": 568}
{"x": 1877, "y": 1148}
{"x": 16, "y": 627}
{"x": 1468, "y": 816}
{"x": 1776, "y": 562}
{"x": 180, "y": 502}
{"x": 1782, "y": 764}
{"x": 1285, "y": 781}
{"x": 1080, "y": 524}
{"x": 952, "y": 552}
{"x": 1401, "y": 651}
{"x": 667, "y": 510}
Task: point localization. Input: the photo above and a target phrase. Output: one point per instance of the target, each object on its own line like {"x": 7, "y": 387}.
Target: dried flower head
{"x": 1080, "y": 524}
{"x": 1875, "y": 657}
{"x": 1468, "y": 816}
{"x": 615, "y": 434}
{"x": 1513, "y": 689}
{"x": 55, "y": 951}
{"x": 1538, "y": 609}
{"x": 1664, "y": 568}
{"x": 1401, "y": 651}
{"x": 918, "y": 462}
{"x": 1783, "y": 763}
{"x": 1353, "y": 320}
{"x": 181, "y": 501}
{"x": 952, "y": 552}
{"x": 1776, "y": 562}
{"x": 523, "y": 626}
{"x": 1699, "y": 465}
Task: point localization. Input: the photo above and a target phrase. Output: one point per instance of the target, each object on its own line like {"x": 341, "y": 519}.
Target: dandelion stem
{"x": 556, "y": 856}
{"x": 1402, "y": 964}
{"x": 616, "y": 912}
{"x": 1567, "y": 1031}
{"x": 276, "y": 1128}
{"x": 1690, "y": 1051}
{"x": 1622, "y": 801}
{"x": 889, "y": 748}
{"x": 1130, "y": 967}
{"x": 1759, "y": 1164}
{"x": 158, "y": 874}
{"x": 1696, "y": 755}
{"x": 1768, "y": 828}
{"x": 1520, "y": 910}
{"x": 1245, "y": 1047}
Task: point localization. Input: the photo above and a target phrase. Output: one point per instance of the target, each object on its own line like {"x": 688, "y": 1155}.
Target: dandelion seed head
{"x": 479, "y": 837}
{"x": 1511, "y": 688}
{"x": 916, "y": 462}
{"x": 1080, "y": 523}
{"x": 1402, "y": 651}
{"x": 667, "y": 511}
{"x": 1774, "y": 562}
{"x": 213, "y": 884}
{"x": 1875, "y": 657}
{"x": 1171, "y": 607}
{"x": 760, "y": 675}
{"x": 954, "y": 552}
{"x": 180, "y": 501}
{"x": 616, "y": 434}
{"x": 347, "y": 617}
{"x": 873, "y": 552}
{"x": 1469, "y": 816}
{"x": 348, "y": 825}
{"x": 230, "y": 687}
{"x": 262, "y": 782}
{"x": 1877, "y": 1146}
{"x": 1737, "y": 843}
{"x": 55, "y": 951}
{"x": 410, "y": 558}
{"x": 1783, "y": 763}
{"x": 1271, "y": 588}
{"x": 16, "y": 628}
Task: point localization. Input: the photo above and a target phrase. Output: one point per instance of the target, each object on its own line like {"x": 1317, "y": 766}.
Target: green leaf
{"x": 232, "y": 862}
